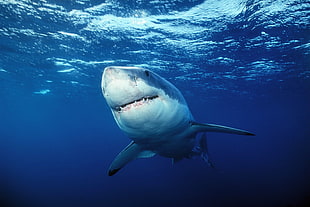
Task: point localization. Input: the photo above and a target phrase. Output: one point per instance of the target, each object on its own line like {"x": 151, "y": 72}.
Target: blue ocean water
{"x": 240, "y": 63}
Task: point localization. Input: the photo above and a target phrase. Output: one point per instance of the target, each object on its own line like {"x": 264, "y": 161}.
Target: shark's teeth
{"x": 143, "y": 99}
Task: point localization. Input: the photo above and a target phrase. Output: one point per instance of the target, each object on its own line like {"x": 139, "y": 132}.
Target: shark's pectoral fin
{"x": 131, "y": 152}
{"x": 198, "y": 127}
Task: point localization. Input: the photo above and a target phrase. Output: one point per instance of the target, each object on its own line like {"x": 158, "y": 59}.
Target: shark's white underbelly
{"x": 158, "y": 126}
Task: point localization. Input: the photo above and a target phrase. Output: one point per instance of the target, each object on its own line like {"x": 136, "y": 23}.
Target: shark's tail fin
{"x": 201, "y": 150}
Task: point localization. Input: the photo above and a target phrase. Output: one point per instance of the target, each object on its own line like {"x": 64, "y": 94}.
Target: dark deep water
{"x": 239, "y": 63}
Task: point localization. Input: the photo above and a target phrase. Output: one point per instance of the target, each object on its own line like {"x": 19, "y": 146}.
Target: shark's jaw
{"x": 136, "y": 103}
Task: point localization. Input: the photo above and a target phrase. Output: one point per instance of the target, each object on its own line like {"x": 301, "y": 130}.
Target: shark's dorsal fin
{"x": 198, "y": 127}
{"x": 131, "y": 152}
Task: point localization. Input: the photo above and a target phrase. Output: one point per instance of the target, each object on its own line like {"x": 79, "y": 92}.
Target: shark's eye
{"x": 147, "y": 73}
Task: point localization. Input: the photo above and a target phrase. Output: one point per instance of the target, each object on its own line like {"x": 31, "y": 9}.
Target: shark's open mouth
{"x": 135, "y": 103}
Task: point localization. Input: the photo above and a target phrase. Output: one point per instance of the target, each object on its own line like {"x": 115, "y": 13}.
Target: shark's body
{"x": 154, "y": 115}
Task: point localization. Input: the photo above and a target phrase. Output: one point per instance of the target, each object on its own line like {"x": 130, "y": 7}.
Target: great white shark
{"x": 154, "y": 115}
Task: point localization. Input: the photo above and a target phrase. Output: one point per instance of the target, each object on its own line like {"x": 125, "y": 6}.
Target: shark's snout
{"x": 125, "y": 86}
{"x": 109, "y": 75}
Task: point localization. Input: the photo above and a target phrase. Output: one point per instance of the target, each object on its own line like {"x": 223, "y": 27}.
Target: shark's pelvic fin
{"x": 204, "y": 150}
{"x": 201, "y": 149}
{"x": 131, "y": 152}
{"x": 198, "y": 127}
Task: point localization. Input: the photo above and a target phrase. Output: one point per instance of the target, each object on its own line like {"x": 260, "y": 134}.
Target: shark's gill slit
{"x": 144, "y": 99}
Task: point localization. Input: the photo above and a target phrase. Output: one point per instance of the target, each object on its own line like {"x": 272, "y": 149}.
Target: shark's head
{"x": 143, "y": 104}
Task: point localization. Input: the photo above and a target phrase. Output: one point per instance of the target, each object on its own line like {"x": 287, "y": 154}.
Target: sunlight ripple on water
{"x": 232, "y": 40}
